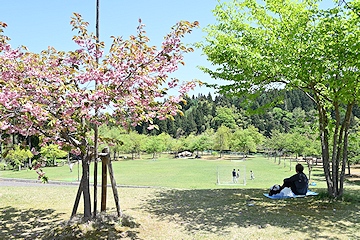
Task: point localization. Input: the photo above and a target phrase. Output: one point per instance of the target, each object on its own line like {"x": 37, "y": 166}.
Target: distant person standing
{"x": 71, "y": 166}
{"x": 237, "y": 174}
{"x": 252, "y": 175}
{"x": 234, "y": 176}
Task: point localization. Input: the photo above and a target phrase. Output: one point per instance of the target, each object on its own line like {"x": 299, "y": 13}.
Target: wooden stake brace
{"x": 106, "y": 163}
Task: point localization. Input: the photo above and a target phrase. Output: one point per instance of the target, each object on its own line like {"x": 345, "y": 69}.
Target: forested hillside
{"x": 294, "y": 109}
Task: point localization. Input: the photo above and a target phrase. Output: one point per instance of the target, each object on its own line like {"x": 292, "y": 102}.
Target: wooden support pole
{"x": 105, "y": 158}
{"x": 77, "y": 199}
{"x": 104, "y": 161}
{"x": 113, "y": 185}
{"x": 96, "y": 114}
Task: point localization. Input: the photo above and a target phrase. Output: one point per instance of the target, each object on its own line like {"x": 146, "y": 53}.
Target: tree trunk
{"x": 345, "y": 128}
{"x": 84, "y": 188}
{"x": 280, "y": 158}
{"x": 308, "y": 162}
{"x": 324, "y": 136}
{"x": 340, "y": 140}
{"x": 284, "y": 161}
{"x": 29, "y": 144}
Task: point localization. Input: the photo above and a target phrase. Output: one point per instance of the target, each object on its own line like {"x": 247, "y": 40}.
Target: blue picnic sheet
{"x": 309, "y": 193}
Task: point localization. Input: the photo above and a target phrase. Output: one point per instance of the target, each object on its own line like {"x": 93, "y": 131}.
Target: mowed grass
{"x": 182, "y": 173}
{"x": 193, "y": 207}
{"x": 39, "y": 213}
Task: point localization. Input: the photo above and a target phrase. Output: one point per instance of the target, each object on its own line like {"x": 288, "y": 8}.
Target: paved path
{"x": 17, "y": 182}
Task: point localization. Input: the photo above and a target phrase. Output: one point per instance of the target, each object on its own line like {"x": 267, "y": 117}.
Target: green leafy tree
{"x": 17, "y": 156}
{"x": 153, "y": 145}
{"x": 114, "y": 137}
{"x": 52, "y": 152}
{"x": 199, "y": 143}
{"x": 278, "y": 143}
{"x": 242, "y": 141}
{"x": 311, "y": 150}
{"x": 136, "y": 142}
{"x": 268, "y": 145}
{"x": 226, "y": 116}
{"x": 256, "y": 135}
{"x": 221, "y": 140}
{"x": 179, "y": 145}
{"x": 295, "y": 143}
{"x": 293, "y": 45}
{"x": 166, "y": 142}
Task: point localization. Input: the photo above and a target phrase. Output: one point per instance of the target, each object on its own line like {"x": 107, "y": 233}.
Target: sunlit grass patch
{"x": 179, "y": 214}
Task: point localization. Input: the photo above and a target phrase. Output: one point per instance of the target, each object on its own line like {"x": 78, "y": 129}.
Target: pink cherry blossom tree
{"x": 50, "y": 95}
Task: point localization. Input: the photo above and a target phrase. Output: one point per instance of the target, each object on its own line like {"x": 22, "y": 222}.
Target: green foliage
{"x": 221, "y": 139}
{"x": 200, "y": 143}
{"x": 288, "y": 45}
{"x": 242, "y": 141}
{"x": 226, "y": 116}
{"x": 52, "y": 152}
{"x": 17, "y": 156}
{"x": 154, "y": 144}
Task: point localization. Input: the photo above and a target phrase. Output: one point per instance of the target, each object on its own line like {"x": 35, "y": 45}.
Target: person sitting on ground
{"x": 298, "y": 183}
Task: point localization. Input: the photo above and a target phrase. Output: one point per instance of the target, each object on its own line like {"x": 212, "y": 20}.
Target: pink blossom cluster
{"x": 46, "y": 94}
{"x": 41, "y": 173}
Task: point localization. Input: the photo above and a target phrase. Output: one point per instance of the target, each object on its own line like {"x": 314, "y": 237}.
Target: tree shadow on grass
{"x": 352, "y": 181}
{"x": 47, "y": 224}
{"x": 214, "y": 211}
{"x": 26, "y": 224}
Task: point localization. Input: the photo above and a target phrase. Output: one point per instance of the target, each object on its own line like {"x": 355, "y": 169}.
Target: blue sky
{"x": 38, "y": 24}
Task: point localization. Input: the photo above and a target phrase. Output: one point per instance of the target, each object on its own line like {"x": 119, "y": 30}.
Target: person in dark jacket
{"x": 298, "y": 183}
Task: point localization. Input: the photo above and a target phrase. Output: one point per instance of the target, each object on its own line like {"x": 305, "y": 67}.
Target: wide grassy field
{"x": 182, "y": 173}
{"x": 194, "y": 208}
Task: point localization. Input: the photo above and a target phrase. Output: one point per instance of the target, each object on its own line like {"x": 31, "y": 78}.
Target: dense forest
{"x": 292, "y": 110}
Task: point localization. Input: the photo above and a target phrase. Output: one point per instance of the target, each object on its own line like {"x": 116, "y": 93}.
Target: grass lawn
{"x": 182, "y": 173}
{"x": 196, "y": 209}
{"x": 38, "y": 212}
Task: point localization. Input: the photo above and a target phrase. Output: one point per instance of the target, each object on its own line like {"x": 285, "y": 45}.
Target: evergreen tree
{"x": 209, "y": 98}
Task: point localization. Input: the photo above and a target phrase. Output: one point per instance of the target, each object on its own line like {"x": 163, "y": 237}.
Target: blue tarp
{"x": 309, "y": 193}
